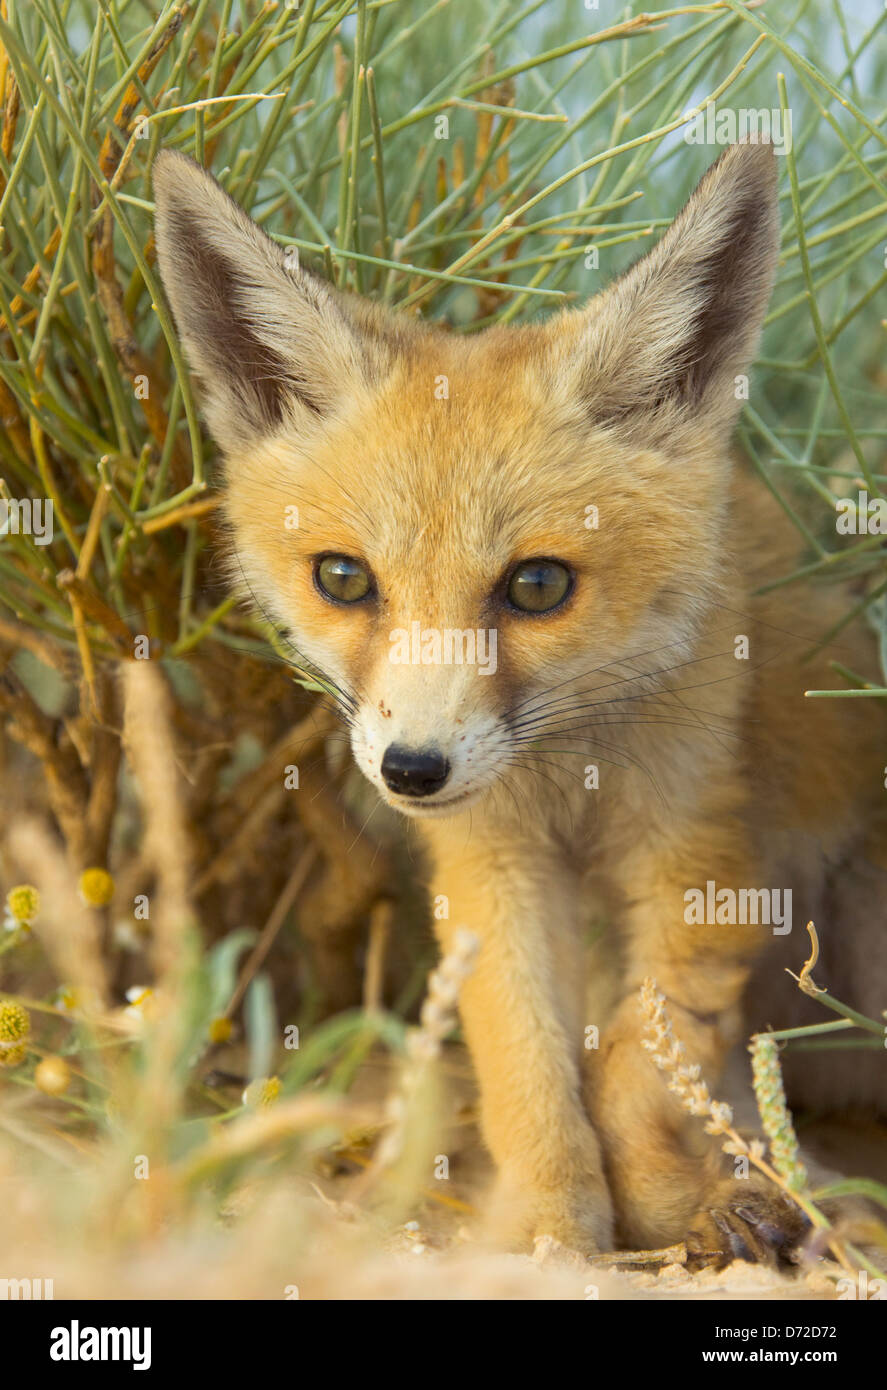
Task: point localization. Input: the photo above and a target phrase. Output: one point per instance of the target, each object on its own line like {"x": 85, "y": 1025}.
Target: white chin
{"x": 423, "y": 807}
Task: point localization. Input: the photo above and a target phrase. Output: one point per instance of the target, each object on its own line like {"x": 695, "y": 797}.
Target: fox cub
{"x": 526, "y": 564}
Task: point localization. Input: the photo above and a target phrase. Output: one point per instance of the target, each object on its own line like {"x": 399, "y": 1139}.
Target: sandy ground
{"x": 309, "y": 1232}
{"x": 437, "y": 1249}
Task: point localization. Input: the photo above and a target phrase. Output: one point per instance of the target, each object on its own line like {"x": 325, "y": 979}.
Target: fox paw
{"x": 741, "y": 1222}
{"x": 577, "y": 1219}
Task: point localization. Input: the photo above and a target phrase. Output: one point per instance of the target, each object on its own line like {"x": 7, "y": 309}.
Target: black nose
{"x": 414, "y": 771}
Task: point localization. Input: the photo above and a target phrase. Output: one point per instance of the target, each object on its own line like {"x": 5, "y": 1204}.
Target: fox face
{"x": 456, "y": 531}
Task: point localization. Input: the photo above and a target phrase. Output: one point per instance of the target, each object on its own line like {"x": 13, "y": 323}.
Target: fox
{"x": 641, "y": 743}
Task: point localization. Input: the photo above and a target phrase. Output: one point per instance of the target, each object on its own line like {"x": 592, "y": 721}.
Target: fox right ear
{"x": 267, "y": 339}
{"x": 660, "y": 350}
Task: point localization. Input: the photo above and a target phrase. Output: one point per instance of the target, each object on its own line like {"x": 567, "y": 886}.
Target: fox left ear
{"x": 268, "y": 339}
{"x": 660, "y": 349}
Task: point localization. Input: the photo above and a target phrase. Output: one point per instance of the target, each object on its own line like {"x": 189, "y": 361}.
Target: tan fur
{"x": 710, "y": 767}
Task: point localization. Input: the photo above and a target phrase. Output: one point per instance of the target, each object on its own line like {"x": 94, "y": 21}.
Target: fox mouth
{"x": 432, "y": 805}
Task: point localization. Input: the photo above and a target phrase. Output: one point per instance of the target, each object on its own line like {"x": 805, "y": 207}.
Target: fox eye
{"x": 537, "y": 586}
{"x": 341, "y": 578}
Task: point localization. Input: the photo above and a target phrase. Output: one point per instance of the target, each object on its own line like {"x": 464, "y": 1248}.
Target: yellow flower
{"x": 96, "y": 887}
{"x": 22, "y": 906}
{"x": 52, "y": 1076}
{"x": 220, "y": 1030}
{"x": 15, "y": 1022}
{"x": 15, "y": 1028}
{"x": 263, "y": 1091}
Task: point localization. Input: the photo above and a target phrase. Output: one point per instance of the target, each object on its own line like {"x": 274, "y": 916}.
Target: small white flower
{"x": 140, "y": 998}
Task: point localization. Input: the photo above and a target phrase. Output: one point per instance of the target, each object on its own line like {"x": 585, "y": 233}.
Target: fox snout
{"x": 431, "y": 741}
{"x": 414, "y": 771}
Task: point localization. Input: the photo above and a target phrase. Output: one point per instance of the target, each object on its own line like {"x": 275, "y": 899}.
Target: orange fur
{"x": 440, "y": 462}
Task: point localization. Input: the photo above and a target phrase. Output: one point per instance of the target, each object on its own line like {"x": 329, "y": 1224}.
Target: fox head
{"x": 449, "y": 527}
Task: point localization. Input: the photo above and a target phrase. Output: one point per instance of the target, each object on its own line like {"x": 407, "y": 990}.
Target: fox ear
{"x": 662, "y": 346}
{"x": 267, "y": 338}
